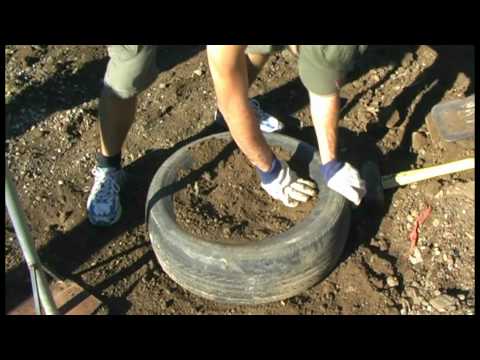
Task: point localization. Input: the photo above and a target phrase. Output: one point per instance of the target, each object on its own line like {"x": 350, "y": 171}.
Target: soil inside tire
{"x": 226, "y": 204}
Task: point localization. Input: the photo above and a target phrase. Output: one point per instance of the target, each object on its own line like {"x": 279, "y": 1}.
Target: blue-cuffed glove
{"x": 282, "y": 183}
{"x": 344, "y": 179}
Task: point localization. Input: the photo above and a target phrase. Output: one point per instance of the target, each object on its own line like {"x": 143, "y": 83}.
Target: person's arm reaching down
{"x": 230, "y": 77}
{"x": 339, "y": 176}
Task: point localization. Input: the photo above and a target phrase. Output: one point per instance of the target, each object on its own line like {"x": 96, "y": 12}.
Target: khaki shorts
{"x": 131, "y": 69}
{"x": 265, "y": 49}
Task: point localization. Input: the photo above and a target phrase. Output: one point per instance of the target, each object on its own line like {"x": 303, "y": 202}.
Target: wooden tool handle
{"x": 411, "y": 176}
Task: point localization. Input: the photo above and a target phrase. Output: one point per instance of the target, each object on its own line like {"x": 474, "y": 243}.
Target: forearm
{"x": 339, "y": 176}
{"x": 231, "y": 86}
{"x": 325, "y": 111}
{"x": 243, "y": 126}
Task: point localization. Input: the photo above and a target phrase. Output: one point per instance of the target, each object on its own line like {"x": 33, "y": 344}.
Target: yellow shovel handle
{"x": 411, "y": 176}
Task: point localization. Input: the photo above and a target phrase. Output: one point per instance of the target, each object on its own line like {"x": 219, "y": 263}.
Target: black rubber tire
{"x": 270, "y": 270}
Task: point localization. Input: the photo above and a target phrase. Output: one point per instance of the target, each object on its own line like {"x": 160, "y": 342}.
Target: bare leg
{"x": 116, "y": 118}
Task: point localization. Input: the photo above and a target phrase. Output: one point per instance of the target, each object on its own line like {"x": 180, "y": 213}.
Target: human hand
{"x": 344, "y": 179}
{"x": 283, "y": 184}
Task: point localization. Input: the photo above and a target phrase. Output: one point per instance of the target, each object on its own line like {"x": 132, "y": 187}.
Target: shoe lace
{"x": 105, "y": 185}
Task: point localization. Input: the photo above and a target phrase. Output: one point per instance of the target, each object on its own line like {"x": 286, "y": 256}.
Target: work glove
{"x": 282, "y": 184}
{"x": 345, "y": 180}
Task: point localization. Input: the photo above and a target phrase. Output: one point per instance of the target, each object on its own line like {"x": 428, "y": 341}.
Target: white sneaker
{"x": 103, "y": 204}
{"x": 268, "y": 123}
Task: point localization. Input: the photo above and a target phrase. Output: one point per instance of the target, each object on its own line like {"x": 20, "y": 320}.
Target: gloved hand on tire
{"x": 344, "y": 179}
{"x": 283, "y": 184}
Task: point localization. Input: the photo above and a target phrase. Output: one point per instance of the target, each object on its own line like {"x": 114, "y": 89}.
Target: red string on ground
{"x": 419, "y": 221}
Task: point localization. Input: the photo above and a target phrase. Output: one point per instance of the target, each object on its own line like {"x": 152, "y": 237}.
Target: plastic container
{"x": 455, "y": 120}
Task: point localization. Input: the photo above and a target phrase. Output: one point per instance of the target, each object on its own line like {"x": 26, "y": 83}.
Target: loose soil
{"x": 227, "y": 204}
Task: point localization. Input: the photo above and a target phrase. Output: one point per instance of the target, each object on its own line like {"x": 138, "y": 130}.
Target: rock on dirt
{"x": 413, "y": 294}
{"x": 380, "y": 265}
{"x": 466, "y": 190}
{"x": 431, "y": 189}
{"x": 392, "y": 281}
{"x": 198, "y": 72}
{"x": 443, "y": 303}
{"x": 394, "y": 120}
{"x": 416, "y": 257}
{"x": 419, "y": 140}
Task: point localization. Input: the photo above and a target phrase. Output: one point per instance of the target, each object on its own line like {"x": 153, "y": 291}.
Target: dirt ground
{"x": 51, "y": 96}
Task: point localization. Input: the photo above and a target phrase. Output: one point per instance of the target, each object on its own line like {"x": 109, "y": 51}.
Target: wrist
{"x": 329, "y": 156}
{"x": 270, "y": 175}
{"x": 330, "y": 168}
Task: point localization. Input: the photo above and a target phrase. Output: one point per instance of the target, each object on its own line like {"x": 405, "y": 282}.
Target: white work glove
{"x": 345, "y": 180}
{"x": 282, "y": 184}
